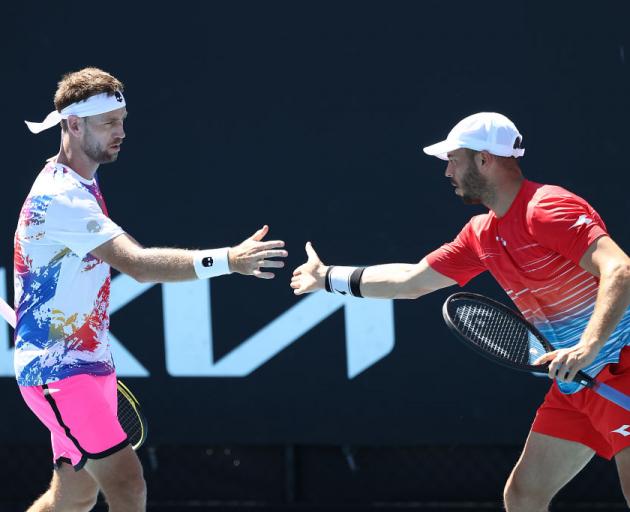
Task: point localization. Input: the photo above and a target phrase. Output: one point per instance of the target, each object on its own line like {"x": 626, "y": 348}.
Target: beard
{"x": 96, "y": 152}
{"x": 474, "y": 186}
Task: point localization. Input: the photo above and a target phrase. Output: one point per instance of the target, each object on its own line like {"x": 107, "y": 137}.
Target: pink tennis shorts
{"x": 81, "y": 414}
{"x": 586, "y": 417}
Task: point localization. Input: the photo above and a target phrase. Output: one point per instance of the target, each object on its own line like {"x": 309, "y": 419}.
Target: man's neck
{"x": 505, "y": 195}
{"x": 77, "y": 160}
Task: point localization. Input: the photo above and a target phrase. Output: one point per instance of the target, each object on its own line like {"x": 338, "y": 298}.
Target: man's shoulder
{"x": 481, "y": 221}
{"x": 478, "y": 225}
{"x": 57, "y": 183}
{"x": 550, "y": 203}
{"x": 542, "y": 194}
{"x": 54, "y": 195}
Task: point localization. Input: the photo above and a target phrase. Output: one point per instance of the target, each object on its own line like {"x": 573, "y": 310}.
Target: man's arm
{"x": 165, "y": 264}
{"x": 604, "y": 259}
{"x": 391, "y": 281}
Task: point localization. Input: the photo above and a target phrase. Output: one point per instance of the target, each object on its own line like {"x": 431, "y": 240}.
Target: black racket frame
{"x": 450, "y": 303}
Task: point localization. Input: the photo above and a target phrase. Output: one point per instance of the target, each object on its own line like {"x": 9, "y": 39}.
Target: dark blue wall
{"x": 310, "y": 117}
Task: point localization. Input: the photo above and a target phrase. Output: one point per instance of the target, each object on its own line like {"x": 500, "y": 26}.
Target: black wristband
{"x": 355, "y": 282}
{"x": 327, "y": 279}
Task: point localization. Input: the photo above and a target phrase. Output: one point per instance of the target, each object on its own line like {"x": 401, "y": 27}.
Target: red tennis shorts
{"x": 586, "y": 417}
{"x": 81, "y": 414}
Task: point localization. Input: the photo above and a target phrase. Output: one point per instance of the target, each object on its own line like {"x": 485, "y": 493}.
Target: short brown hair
{"x": 80, "y": 85}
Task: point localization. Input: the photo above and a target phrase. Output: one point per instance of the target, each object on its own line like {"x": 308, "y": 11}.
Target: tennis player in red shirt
{"x": 552, "y": 254}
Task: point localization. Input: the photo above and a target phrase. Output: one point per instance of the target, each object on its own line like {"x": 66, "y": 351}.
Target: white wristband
{"x": 339, "y": 279}
{"x": 211, "y": 263}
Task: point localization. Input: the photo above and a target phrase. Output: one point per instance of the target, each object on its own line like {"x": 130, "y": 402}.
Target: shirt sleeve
{"x": 458, "y": 259}
{"x": 77, "y": 221}
{"x": 566, "y": 224}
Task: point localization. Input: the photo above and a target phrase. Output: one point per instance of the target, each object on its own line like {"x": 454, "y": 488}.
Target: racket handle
{"x": 585, "y": 379}
{"x": 603, "y": 390}
{"x": 616, "y": 397}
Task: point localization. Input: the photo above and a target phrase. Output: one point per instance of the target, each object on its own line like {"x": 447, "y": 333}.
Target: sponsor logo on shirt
{"x": 502, "y": 241}
{"x": 582, "y": 219}
{"x": 623, "y": 430}
{"x": 93, "y": 226}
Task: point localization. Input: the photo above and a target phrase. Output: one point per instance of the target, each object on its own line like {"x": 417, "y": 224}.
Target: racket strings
{"x": 494, "y": 331}
{"x": 129, "y": 420}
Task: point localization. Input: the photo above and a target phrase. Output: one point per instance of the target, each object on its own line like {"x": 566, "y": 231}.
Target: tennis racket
{"x": 130, "y": 415}
{"x": 505, "y": 337}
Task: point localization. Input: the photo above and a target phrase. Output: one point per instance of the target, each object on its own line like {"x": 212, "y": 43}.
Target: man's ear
{"x": 75, "y": 125}
{"x": 485, "y": 157}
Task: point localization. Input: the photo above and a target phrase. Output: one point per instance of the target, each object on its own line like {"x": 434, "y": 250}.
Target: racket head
{"x": 130, "y": 416}
{"x": 495, "y": 331}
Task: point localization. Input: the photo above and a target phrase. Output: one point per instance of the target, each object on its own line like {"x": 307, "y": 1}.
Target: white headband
{"x": 94, "y": 105}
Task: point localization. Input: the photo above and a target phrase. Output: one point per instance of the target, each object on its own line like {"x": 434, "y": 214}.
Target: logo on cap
{"x": 517, "y": 143}
{"x": 118, "y": 96}
{"x": 207, "y": 261}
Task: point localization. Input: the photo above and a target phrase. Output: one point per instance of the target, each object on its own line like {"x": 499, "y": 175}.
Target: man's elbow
{"x": 619, "y": 272}
{"x": 620, "y": 269}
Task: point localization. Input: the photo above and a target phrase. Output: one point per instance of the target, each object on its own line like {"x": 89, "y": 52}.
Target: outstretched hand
{"x": 252, "y": 255}
{"x": 309, "y": 276}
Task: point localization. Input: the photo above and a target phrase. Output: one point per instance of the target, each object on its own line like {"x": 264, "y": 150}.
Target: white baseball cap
{"x": 485, "y": 131}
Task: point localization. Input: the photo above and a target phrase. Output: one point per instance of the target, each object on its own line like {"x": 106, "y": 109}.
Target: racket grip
{"x": 585, "y": 379}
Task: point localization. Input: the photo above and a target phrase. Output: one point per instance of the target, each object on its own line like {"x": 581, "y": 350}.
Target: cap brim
{"x": 441, "y": 149}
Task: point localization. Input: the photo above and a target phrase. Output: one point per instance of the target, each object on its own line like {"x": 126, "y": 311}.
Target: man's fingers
{"x": 554, "y": 366}
{"x": 568, "y": 368}
{"x": 265, "y": 246}
{"x": 272, "y": 264}
{"x": 312, "y": 255}
{"x": 572, "y": 374}
{"x": 558, "y": 372}
{"x": 260, "y": 234}
{"x": 545, "y": 358}
{"x": 565, "y": 372}
{"x": 263, "y": 275}
{"x": 558, "y": 368}
{"x": 272, "y": 254}
{"x": 298, "y": 285}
